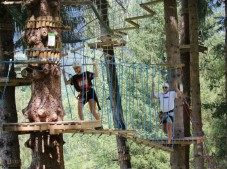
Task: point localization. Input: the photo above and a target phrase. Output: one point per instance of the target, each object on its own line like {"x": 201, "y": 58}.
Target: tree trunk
{"x": 9, "y": 144}
{"x": 177, "y": 158}
{"x": 226, "y": 65}
{"x": 115, "y": 99}
{"x": 185, "y": 58}
{"x": 195, "y": 83}
{"x": 45, "y": 104}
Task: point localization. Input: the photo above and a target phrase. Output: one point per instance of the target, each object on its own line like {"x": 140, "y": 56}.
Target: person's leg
{"x": 92, "y": 106}
{"x": 80, "y": 109}
{"x": 170, "y": 133}
{"x": 164, "y": 126}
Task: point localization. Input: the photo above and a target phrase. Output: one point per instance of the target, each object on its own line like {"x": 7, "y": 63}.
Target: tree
{"x": 195, "y": 82}
{"x": 9, "y": 144}
{"x": 45, "y": 104}
{"x": 173, "y": 56}
{"x": 185, "y": 58}
{"x": 123, "y": 151}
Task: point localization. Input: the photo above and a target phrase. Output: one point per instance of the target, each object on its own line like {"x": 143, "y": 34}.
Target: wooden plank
{"x": 139, "y": 17}
{"x": 186, "y": 48}
{"x": 11, "y": 3}
{"x": 133, "y": 23}
{"x": 74, "y": 3}
{"x": 181, "y": 141}
{"x": 42, "y": 126}
{"x": 107, "y": 44}
{"x": 148, "y": 143}
{"x": 147, "y": 9}
{"x": 151, "y": 3}
{"x": 103, "y": 131}
{"x": 33, "y": 61}
{"x": 91, "y": 124}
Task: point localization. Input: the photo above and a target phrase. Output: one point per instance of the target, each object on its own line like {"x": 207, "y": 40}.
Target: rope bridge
{"x": 136, "y": 112}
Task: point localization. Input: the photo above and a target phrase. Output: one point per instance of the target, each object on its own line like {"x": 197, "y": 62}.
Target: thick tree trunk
{"x": 195, "y": 83}
{"x": 123, "y": 150}
{"x": 45, "y": 104}
{"x": 226, "y": 65}
{"x": 9, "y": 144}
{"x": 185, "y": 58}
{"x": 173, "y": 57}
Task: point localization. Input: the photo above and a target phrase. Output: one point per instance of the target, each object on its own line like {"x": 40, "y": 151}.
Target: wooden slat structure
{"x": 74, "y": 3}
{"x": 103, "y": 131}
{"x": 52, "y": 127}
{"x": 132, "y": 19}
{"x": 148, "y": 143}
{"x": 14, "y": 82}
{"x": 180, "y": 141}
{"x": 83, "y": 127}
{"x": 186, "y": 48}
{"x": 107, "y": 44}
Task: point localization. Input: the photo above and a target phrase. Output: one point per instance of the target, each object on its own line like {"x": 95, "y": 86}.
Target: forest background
{"x": 146, "y": 46}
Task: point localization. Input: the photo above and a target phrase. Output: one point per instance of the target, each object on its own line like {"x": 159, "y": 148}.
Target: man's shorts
{"x": 166, "y": 117}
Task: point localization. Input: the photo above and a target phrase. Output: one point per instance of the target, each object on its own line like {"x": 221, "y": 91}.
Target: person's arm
{"x": 179, "y": 93}
{"x": 96, "y": 73}
{"x": 65, "y": 79}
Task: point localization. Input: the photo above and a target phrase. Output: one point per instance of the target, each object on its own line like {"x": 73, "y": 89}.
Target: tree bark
{"x": 115, "y": 98}
{"x": 226, "y": 65}
{"x": 45, "y": 104}
{"x": 185, "y": 58}
{"x": 195, "y": 83}
{"x": 9, "y": 143}
{"x": 177, "y": 158}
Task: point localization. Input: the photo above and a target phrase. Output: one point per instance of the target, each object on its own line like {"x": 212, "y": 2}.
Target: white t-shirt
{"x": 166, "y": 100}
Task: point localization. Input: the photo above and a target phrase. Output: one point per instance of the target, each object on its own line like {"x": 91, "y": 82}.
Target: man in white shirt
{"x": 167, "y": 99}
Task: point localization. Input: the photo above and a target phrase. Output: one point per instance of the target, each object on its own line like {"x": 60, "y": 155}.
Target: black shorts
{"x": 89, "y": 94}
{"x": 164, "y": 121}
{"x": 164, "y": 117}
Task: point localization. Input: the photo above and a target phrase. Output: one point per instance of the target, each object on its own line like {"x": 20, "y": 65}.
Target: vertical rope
{"x": 67, "y": 94}
{"x": 7, "y": 79}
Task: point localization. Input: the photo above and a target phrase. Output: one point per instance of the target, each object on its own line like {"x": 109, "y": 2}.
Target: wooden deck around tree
{"x": 83, "y": 127}
{"x": 14, "y": 82}
{"x": 52, "y": 127}
{"x": 181, "y": 141}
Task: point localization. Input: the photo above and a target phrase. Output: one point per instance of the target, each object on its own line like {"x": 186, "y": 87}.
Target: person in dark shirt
{"x": 82, "y": 82}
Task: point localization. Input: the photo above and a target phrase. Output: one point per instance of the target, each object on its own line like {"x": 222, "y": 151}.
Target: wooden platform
{"x": 83, "y": 127}
{"x": 181, "y": 141}
{"x": 15, "y": 82}
{"x": 52, "y": 127}
{"x": 186, "y": 48}
{"x": 148, "y": 143}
